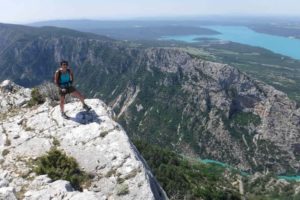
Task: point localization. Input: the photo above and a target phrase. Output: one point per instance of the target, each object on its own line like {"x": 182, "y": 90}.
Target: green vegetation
{"x": 281, "y": 72}
{"x": 281, "y": 29}
{"x": 245, "y": 119}
{"x": 57, "y": 165}
{"x": 182, "y": 178}
{"x": 260, "y": 189}
{"x": 36, "y": 98}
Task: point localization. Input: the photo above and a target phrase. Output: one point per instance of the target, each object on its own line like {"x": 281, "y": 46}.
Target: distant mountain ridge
{"x": 39, "y": 43}
{"x": 130, "y": 30}
{"x": 168, "y": 97}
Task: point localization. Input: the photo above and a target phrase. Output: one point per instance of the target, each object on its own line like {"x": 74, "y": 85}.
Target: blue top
{"x": 65, "y": 79}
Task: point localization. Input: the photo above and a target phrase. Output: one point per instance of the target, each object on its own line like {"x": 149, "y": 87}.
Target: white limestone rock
{"x": 7, "y": 193}
{"x": 99, "y": 145}
{"x": 3, "y": 183}
{"x": 12, "y": 95}
{"x": 297, "y": 190}
{"x": 56, "y": 190}
{"x": 39, "y": 182}
{"x": 42, "y": 188}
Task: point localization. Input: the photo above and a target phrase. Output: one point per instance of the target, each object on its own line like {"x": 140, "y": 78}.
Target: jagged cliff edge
{"x": 99, "y": 144}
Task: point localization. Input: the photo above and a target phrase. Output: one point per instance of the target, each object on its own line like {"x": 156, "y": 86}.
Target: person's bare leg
{"x": 79, "y": 96}
{"x": 62, "y": 103}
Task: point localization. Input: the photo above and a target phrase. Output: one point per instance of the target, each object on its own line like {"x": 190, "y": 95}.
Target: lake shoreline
{"x": 244, "y": 35}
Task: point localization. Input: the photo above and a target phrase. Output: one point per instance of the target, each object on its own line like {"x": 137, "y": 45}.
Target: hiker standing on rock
{"x": 63, "y": 79}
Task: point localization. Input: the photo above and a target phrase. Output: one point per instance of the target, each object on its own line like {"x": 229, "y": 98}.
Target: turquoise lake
{"x": 289, "y": 178}
{"x": 240, "y": 34}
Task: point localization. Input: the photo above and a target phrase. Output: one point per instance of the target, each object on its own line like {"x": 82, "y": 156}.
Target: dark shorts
{"x": 68, "y": 91}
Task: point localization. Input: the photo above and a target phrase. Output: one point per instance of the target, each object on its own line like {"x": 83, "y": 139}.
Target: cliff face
{"x": 99, "y": 145}
{"x": 228, "y": 114}
{"x": 167, "y": 96}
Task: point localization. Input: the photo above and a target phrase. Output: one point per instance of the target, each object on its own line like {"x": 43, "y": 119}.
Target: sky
{"x": 26, "y": 11}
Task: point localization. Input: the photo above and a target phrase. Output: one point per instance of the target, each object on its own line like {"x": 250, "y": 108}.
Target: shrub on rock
{"x": 57, "y": 165}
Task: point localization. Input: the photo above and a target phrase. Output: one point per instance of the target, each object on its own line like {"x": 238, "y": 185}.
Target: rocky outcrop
{"x": 15, "y": 96}
{"x": 99, "y": 145}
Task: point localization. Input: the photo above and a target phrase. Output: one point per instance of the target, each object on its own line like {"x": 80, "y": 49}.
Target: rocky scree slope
{"x": 99, "y": 145}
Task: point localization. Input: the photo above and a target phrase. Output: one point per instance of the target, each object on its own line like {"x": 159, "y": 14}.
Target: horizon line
{"x": 156, "y": 18}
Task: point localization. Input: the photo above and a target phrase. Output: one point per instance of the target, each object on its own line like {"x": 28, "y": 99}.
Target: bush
{"x": 57, "y": 165}
{"x": 50, "y": 91}
{"x": 36, "y": 98}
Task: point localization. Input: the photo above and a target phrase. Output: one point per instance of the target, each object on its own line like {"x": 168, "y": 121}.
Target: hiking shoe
{"x": 86, "y": 107}
{"x": 63, "y": 114}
